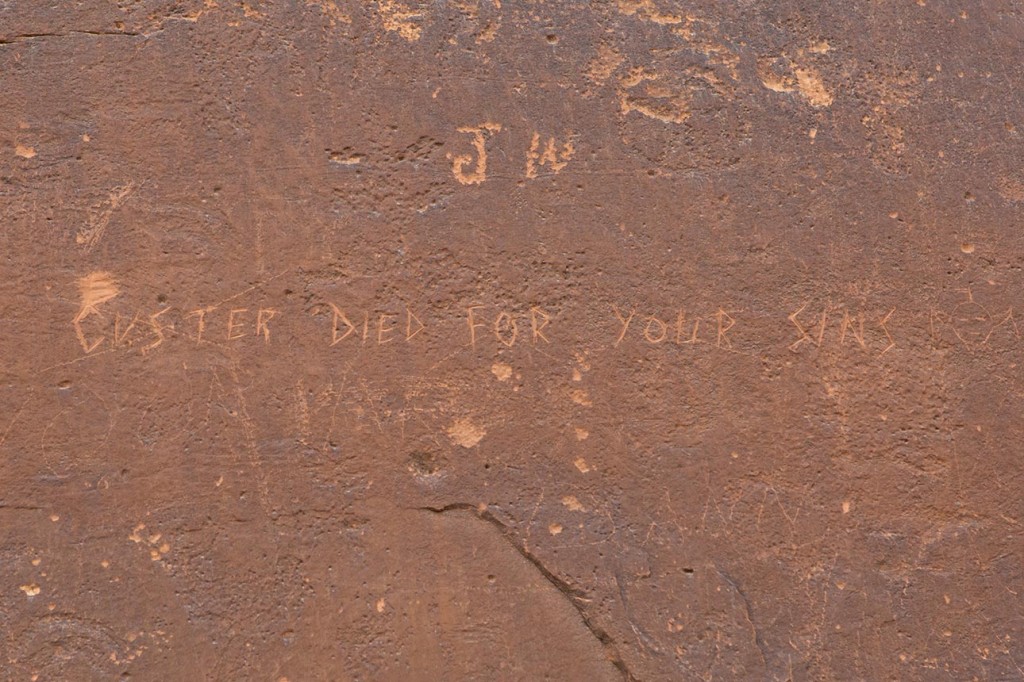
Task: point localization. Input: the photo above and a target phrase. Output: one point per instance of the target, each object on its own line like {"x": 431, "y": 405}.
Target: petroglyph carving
{"x": 551, "y": 156}
{"x": 641, "y": 92}
{"x": 786, "y": 76}
{"x": 478, "y": 173}
{"x": 398, "y": 18}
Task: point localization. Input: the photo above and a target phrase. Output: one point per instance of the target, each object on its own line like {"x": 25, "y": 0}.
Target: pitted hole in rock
{"x": 425, "y": 463}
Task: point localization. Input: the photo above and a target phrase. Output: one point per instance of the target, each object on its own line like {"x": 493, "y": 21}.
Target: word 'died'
{"x": 378, "y": 328}
{"x": 836, "y": 326}
{"x": 680, "y": 329}
{"x": 506, "y": 328}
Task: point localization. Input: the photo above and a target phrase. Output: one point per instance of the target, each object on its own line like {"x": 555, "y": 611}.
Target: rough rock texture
{"x": 394, "y": 340}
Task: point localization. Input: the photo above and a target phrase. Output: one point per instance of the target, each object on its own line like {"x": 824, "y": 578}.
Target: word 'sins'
{"x": 829, "y": 327}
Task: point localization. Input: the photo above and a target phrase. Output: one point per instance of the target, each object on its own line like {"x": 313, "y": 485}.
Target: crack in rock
{"x": 10, "y": 40}
{"x": 574, "y": 595}
{"x": 758, "y": 640}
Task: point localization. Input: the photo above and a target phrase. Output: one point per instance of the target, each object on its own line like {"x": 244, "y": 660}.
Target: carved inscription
{"x": 544, "y": 154}
{"x": 680, "y": 328}
{"x": 381, "y": 328}
{"x": 505, "y": 326}
{"x": 105, "y": 321}
{"x": 467, "y": 168}
{"x": 551, "y": 154}
{"x": 838, "y": 326}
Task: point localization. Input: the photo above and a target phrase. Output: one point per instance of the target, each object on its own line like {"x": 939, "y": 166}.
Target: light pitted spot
{"x": 465, "y": 433}
{"x": 572, "y": 504}
{"x": 502, "y": 371}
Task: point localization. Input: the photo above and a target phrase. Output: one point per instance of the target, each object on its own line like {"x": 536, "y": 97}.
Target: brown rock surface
{"x": 397, "y": 340}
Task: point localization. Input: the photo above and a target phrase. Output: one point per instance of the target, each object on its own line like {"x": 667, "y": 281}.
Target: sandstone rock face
{"x": 518, "y": 340}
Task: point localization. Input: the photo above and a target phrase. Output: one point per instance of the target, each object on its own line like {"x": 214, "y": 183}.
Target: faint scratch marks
{"x": 99, "y": 217}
